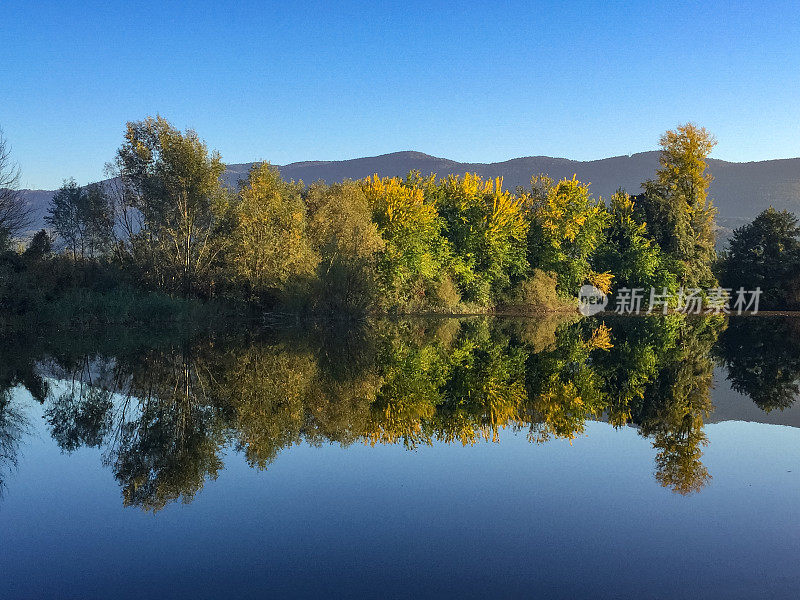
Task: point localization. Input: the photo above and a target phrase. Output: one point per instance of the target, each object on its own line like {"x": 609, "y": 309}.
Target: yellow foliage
{"x": 396, "y": 203}
{"x": 602, "y": 281}
{"x": 601, "y": 338}
{"x": 272, "y": 242}
{"x": 565, "y": 208}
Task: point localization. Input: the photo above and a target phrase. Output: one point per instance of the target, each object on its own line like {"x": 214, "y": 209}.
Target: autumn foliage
{"x": 423, "y": 243}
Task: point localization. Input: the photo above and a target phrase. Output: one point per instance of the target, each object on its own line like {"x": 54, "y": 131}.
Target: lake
{"x": 428, "y": 457}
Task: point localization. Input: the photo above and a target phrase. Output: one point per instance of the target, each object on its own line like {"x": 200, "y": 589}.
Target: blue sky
{"x": 472, "y": 81}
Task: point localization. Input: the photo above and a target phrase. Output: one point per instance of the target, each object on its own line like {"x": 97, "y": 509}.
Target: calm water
{"x": 627, "y": 458}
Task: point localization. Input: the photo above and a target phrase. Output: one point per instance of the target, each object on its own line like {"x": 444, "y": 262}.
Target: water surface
{"x": 647, "y": 458}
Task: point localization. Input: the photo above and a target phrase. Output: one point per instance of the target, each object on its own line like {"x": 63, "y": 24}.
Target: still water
{"x": 552, "y": 458}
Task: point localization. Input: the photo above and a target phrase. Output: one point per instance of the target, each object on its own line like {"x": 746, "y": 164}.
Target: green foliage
{"x": 271, "y": 250}
{"x": 41, "y": 246}
{"x": 418, "y": 244}
{"x": 40, "y": 289}
{"x": 766, "y": 254}
{"x": 175, "y": 209}
{"x": 567, "y": 228}
{"x": 486, "y": 227}
{"x": 629, "y": 253}
{"x": 762, "y": 357}
{"x": 409, "y": 382}
{"x": 539, "y": 293}
{"x": 342, "y": 232}
{"x": 415, "y": 252}
{"x": 83, "y": 218}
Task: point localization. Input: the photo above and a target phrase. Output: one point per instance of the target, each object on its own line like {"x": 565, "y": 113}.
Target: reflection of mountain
{"x": 164, "y": 410}
{"x": 730, "y": 405}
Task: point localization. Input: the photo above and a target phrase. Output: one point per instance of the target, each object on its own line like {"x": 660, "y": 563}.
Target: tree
{"x": 766, "y": 253}
{"x": 40, "y": 246}
{"x": 628, "y": 252}
{"x": 342, "y": 232}
{"x": 675, "y": 403}
{"x": 82, "y": 218}
{"x": 676, "y": 207}
{"x": 64, "y": 216}
{"x": 567, "y": 227}
{"x": 271, "y": 247}
{"x": 762, "y": 359}
{"x": 411, "y": 264}
{"x": 99, "y": 218}
{"x": 15, "y": 214}
{"x": 171, "y": 183}
{"x": 487, "y": 229}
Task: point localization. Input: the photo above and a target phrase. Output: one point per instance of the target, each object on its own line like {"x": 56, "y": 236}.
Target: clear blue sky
{"x": 472, "y": 81}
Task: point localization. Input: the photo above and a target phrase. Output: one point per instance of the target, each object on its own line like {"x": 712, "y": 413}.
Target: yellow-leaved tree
{"x": 567, "y": 227}
{"x": 272, "y": 251}
{"x": 410, "y": 266}
{"x": 676, "y": 207}
{"x": 487, "y": 228}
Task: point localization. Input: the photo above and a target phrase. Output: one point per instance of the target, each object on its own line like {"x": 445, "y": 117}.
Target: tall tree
{"x": 15, "y": 215}
{"x": 567, "y": 226}
{"x": 415, "y": 252}
{"x": 63, "y": 216}
{"x": 676, "y": 207}
{"x": 342, "y": 232}
{"x": 172, "y": 183}
{"x": 99, "y": 218}
{"x": 271, "y": 248}
{"x": 487, "y": 228}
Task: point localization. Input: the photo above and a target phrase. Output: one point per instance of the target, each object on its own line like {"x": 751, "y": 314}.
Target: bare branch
{"x": 15, "y": 214}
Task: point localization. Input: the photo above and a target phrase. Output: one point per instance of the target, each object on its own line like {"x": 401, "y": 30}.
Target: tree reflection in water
{"x": 163, "y": 411}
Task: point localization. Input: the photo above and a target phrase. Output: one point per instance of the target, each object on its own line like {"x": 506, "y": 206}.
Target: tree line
{"x": 166, "y": 222}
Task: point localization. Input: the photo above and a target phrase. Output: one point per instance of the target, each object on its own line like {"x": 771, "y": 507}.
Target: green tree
{"x": 411, "y": 265}
{"x": 675, "y": 403}
{"x": 63, "y": 216}
{"x": 762, "y": 358}
{"x": 271, "y": 248}
{"x": 628, "y": 252}
{"x": 341, "y": 230}
{"x": 487, "y": 230}
{"x": 83, "y": 218}
{"x": 766, "y": 253}
{"x": 40, "y": 246}
{"x": 99, "y": 219}
{"x": 676, "y": 208}
{"x": 567, "y": 228}
{"x": 174, "y": 206}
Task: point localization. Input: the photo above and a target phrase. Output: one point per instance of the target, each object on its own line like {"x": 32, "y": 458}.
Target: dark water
{"x": 628, "y": 458}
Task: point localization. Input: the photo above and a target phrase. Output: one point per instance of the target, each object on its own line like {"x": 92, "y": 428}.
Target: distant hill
{"x": 740, "y": 190}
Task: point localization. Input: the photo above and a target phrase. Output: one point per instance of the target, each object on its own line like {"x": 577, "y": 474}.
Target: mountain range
{"x": 740, "y": 190}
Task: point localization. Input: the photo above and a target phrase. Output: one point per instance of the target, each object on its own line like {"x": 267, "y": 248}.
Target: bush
{"x": 446, "y": 294}
{"x": 538, "y": 293}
